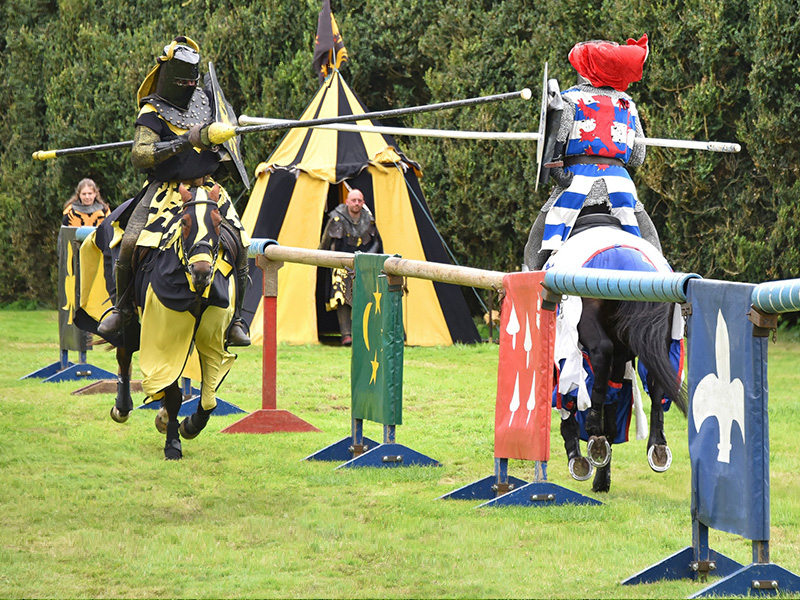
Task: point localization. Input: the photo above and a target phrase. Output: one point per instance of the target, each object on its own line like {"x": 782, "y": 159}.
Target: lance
{"x": 520, "y": 136}
{"x": 219, "y": 133}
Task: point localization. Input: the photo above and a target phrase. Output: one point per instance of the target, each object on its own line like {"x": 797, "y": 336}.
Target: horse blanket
{"x": 604, "y": 248}
{"x": 181, "y": 335}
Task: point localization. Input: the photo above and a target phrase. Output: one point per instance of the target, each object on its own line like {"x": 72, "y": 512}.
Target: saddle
{"x": 588, "y": 221}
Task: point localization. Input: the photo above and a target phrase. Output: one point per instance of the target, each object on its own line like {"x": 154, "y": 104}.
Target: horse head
{"x": 200, "y": 231}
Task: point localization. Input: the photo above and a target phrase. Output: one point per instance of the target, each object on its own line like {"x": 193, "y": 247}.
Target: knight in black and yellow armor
{"x": 171, "y": 147}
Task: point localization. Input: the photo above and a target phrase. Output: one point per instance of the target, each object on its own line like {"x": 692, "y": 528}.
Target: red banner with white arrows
{"x": 525, "y": 370}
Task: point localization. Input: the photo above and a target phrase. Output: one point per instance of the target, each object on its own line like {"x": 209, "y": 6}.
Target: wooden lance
{"x": 219, "y": 133}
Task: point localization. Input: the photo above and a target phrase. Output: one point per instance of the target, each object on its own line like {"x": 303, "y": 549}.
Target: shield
{"x": 542, "y": 123}
{"x": 552, "y": 107}
{"x": 224, "y": 113}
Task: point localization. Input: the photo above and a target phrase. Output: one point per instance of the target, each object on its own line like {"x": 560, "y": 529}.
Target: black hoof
{"x": 161, "y": 420}
{"x": 189, "y": 429}
{"x": 659, "y": 457}
{"x": 598, "y": 451}
{"x": 172, "y": 450}
{"x": 117, "y": 416}
{"x": 580, "y": 468}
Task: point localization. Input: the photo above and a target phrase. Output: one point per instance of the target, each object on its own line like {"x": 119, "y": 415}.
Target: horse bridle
{"x": 213, "y": 251}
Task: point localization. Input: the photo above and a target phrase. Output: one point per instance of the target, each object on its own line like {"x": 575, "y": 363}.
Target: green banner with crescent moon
{"x": 376, "y": 370}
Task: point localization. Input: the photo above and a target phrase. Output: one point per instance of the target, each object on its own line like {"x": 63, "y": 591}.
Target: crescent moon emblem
{"x": 365, "y": 324}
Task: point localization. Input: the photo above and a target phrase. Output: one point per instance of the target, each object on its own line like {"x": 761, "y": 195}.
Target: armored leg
{"x": 124, "y": 308}
{"x": 238, "y": 331}
{"x": 344, "y": 314}
{"x": 534, "y": 256}
{"x": 647, "y": 229}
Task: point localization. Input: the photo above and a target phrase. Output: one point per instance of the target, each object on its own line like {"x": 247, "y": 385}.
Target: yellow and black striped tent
{"x": 303, "y": 180}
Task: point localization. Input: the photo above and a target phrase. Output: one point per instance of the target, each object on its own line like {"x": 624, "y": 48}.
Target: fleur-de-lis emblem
{"x": 717, "y": 395}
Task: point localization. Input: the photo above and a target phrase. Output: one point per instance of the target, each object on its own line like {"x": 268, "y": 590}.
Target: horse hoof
{"x": 187, "y": 431}
{"x": 598, "y": 451}
{"x": 580, "y": 468}
{"x": 172, "y": 450}
{"x": 117, "y": 416}
{"x": 659, "y": 457}
{"x": 161, "y": 420}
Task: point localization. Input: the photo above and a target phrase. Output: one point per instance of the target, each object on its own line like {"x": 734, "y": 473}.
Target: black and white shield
{"x": 224, "y": 113}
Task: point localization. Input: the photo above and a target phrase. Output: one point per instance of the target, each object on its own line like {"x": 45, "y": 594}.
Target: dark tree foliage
{"x": 724, "y": 69}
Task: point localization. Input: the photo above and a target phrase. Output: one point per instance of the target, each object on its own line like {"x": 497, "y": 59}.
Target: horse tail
{"x": 646, "y": 328}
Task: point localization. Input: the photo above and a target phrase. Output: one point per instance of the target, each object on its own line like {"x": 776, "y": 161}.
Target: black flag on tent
{"x": 329, "y": 50}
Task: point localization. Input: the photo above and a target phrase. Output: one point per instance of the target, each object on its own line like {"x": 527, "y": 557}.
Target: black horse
{"x": 185, "y": 293}
{"x": 612, "y": 333}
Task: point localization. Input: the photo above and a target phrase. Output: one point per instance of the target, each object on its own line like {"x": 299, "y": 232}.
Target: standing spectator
{"x": 86, "y": 207}
{"x": 350, "y": 228}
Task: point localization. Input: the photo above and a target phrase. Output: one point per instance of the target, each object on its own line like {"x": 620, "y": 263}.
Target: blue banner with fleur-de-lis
{"x": 376, "y": 370}
{"x": 728, "y": 423}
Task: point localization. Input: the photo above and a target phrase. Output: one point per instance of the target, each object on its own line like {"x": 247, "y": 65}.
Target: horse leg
{"x": 172, "y": 403}
{"x": 123, "y": 404}
{"x": 602, "y": 478}
{"x": 659, "y": 456}
{"x": 192, "y": 425}
{"x": 601, "y": 352}
{"x": 579, "y": 467}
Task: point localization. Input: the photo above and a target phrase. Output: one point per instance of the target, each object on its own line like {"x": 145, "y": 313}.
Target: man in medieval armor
{"x": 350, "y": 228}
{"x": 595, "y": 144}
{"x": 171, "y": 146}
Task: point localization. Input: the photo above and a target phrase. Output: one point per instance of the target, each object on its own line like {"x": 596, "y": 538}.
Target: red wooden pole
{"x": 269, "y": 419}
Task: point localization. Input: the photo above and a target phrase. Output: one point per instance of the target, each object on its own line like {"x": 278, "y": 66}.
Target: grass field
{"x": 89, "y": 508}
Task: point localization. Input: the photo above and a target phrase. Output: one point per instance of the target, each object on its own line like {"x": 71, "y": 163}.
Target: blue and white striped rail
{"x": 611, "y": 284}
{"x": 777, "y": 296}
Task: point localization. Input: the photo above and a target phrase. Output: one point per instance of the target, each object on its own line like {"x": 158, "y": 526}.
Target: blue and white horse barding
{"x": 596, "y": 343}
{"x": 185, "y": 291}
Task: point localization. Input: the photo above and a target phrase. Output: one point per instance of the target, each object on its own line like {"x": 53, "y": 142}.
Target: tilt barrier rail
{"x": 727, "y": 329}
{"x": 728, "y": 325}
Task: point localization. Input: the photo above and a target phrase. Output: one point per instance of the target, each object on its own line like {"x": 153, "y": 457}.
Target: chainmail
{"x": 598, "y": 194}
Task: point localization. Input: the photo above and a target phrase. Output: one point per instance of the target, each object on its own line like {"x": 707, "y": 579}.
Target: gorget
{"x": 199, "y": 111}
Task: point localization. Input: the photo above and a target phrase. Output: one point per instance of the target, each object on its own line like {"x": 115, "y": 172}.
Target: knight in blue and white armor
{"x": 597, "y": 138}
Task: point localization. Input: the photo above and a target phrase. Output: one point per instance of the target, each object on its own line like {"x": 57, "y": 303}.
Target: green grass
{"x": 89, "y": 508}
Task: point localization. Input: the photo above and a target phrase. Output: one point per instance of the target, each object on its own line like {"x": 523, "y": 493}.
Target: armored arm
{"x": 639, "y": 149}
{"x": 148, "y": 149}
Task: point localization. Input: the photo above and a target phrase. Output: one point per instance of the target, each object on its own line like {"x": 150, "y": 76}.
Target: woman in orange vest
{"x": 86, "y": 207}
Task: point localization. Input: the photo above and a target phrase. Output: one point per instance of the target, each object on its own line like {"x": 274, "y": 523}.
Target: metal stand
{"x": 347, "y": 448}
{"x": 502, "y": 490}
{"x": 65, "y": 370}
{"x": 693, "y": 562}
{"x": 387, "y": 454}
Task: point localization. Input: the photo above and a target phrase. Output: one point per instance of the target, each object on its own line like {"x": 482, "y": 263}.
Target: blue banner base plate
{"x": 679, "y": 566}
{"x": 341, "y": 450}
{"x": 391, "y": 455}
{"x": 483, "y": 489}
{"x": 540, "y": 493}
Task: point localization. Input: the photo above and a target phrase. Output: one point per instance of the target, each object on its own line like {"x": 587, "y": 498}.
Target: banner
{"x": 376, "y": 370}
{"x": 525, "y": 370}
{"x": 329, "y": 50}
{"x": 70, "y": 337}
{"x": 728, "y": 426}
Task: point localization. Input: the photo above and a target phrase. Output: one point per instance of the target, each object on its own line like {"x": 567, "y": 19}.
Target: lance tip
{"x": 44, "y": 154}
